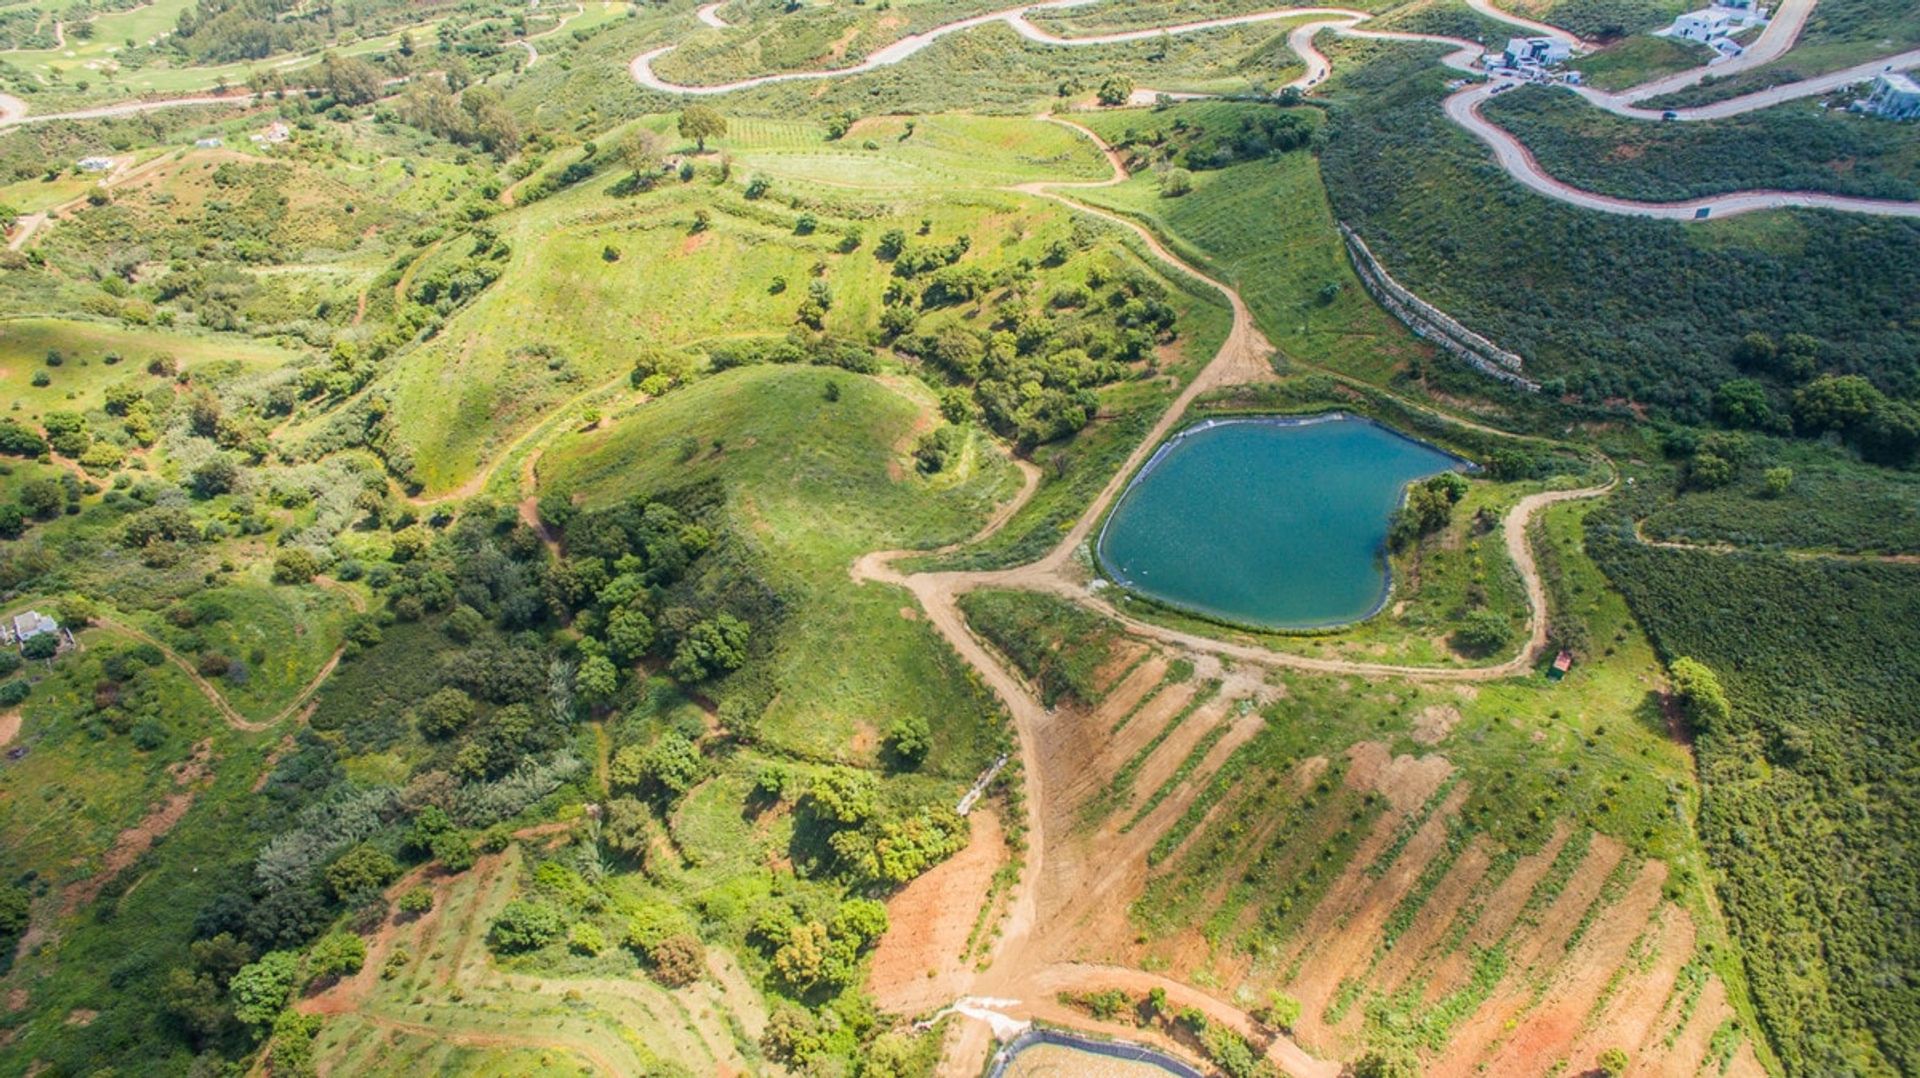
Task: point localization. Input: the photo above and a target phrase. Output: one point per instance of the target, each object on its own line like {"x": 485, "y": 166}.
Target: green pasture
{"x": 280, "y": 635}
{"x": 80, "y": 381}
{"x": 1265, "y": 227}
{"x": 815, "y": 483}
{"x": 1639, "y": 58}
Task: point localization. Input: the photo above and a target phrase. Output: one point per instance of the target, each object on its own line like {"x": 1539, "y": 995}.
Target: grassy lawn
{"x": 80, "y": 382}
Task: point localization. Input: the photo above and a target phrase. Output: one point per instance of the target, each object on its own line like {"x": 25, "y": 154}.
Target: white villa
{"x": 1716, "y": 25}
{"x": 1703, "y": 26}
{"x": 1529, "y": 56}
{"x": 1895, "y": 96}
{"x": 95, "y": 164}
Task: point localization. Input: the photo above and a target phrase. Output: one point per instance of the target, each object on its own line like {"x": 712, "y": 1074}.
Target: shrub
{"x": 677, "y": 960}
{"x": 525, "y": 925}
{"x": 1482, "y": 632}
{"x": 360, "y": 871}
{"x": 908, "y": 740}
{"x": 293, "y": 565}
{"x": 260, "y": 990}
{"x": 338, "y": 954}
{"x": 586, "y": 938}
{"x": 415, "y": 901}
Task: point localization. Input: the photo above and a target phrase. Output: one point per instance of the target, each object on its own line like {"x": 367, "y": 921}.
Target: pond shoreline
{"x": 1112, "y": 575}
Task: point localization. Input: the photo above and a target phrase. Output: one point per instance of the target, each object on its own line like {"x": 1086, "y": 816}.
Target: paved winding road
{"x": 1462, "y": 107}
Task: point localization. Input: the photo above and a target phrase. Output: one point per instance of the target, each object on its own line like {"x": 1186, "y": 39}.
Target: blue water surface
{"x": 1277, "y": 523}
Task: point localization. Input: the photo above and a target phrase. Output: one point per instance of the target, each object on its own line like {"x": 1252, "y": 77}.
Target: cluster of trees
{"x": 1784, "y": 393}
{"x": 1220, "y": 137}
{"x": 467, "y": 116}
{"x": 1428, "y": 508}
{"x": 628, "y": 584}
{"x": 1034, "y": 372}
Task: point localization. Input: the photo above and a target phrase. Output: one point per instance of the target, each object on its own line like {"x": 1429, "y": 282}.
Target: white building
{"x": 95, "y": 164}
{"x": 208, "y": 143}
{"x": 1705, "y": 26}
{"x": 1536, "y": 52}
{"x": 1895, "y": 96}
{"x": 29, "y": 625}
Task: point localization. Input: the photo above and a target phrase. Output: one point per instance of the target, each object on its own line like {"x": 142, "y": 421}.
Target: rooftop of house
{"x": 33, "y": 623}
{"x": 1900, "y": 82}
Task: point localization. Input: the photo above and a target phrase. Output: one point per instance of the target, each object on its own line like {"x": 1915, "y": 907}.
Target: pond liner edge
{"x": 1128, "y": 1051}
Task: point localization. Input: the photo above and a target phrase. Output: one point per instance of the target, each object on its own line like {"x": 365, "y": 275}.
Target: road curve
{"x": 1462, "y": 107}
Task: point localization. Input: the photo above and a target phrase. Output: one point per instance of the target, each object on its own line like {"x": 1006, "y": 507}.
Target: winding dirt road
{"x": 214, "y": 696}
{"x": 1462, "y": 107}
{"x": 1242, "y": 358}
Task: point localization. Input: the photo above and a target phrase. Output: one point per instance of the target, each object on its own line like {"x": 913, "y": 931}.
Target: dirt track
{"x": 213, "y": 695}
{"x": 1462, "y": 107}
{"x": 1017, "y": 966}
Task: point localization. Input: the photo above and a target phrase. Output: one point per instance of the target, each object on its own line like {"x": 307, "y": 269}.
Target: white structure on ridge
{"x": 1895, "y": 96}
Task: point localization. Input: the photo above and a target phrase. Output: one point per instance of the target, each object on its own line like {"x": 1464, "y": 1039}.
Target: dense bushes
{"x": 1800, "y": 676}
{"x": 1418, "y": 190}
{"x": 1033, "y": 373}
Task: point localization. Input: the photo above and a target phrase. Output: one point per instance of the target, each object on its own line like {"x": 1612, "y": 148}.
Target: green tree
{"x": 1387, "y": 1063}
{"x": 294, "y": 565}
{"x": 861, "y": 920}
{"x": 700, "y": 123}
{"x": 629, "y": 633}
{"x": 1282, "y": 1010}
{"x": 525, "y": 925}
{"x": 14, "y": 915}
{"x": 1742, "y": 403}
{"x": 41, "y": 646}
{"x": 1835, "y": 402}
{"x": 415, "y": 901}
{"x": 714, "y": 646}
{"x": 1779, "y": 481}
{"x": 337, "y": 954}
{"x": 447, "y": 711}
{"x": 260, "y": 990}
{"x": 1706, "y": 471}
{"x": 1115, "y": 90}
{"x": 845, "y": 796}
{"x": 672, "y": 763}
{"x": 215, "y": 476}
{"x": 1175, "y": 183}
{"x": 908, "y": 740}
{"x": 1613, "y": 1062}
{"x": 1699, "y": 690}
{"x": 43, "y": 498}
{"x": 360, "y": 871}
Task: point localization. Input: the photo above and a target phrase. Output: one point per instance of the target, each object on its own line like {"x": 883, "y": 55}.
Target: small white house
{"x": 95, "y": 164}
{"x": 1535, "y": 52}
{"x": 29, "y": 625}
{"x": 1895, "y": 96}
{"x": 208, "y": 143}
{"x": 1704, "y": 26}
